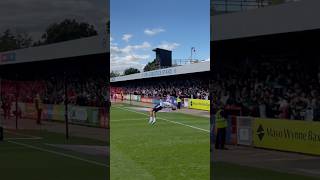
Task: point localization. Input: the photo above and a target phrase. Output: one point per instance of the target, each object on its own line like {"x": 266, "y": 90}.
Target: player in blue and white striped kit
{"x": 157, "y": 108}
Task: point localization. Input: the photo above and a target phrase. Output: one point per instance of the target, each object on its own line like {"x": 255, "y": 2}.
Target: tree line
{"x": 153, "y": 65}
{"x": 68, "y": 29}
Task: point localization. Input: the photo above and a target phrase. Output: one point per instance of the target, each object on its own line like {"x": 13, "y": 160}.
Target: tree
{"x": 114, "y": 74}
{"x": 131, "y": 71}
{"x": 106, "y": 36}
{"x": 154, "y": 65}
{"x": 67, "y": 30}
{"x": 10, "y": 41}
{"x": 277, "y": 1}
{"x": 24, "y": 40}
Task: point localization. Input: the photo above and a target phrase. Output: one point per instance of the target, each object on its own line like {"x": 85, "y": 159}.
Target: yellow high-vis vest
{"x": 38, "y": 103}
{"x": 221, "y": 122}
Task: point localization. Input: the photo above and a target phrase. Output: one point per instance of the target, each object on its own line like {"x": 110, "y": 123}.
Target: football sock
{"x": 154, "y": 120}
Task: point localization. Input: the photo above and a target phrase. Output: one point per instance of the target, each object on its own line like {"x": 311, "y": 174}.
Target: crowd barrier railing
{"x": 82, "y": 115}
{"x": 198, "y": 104}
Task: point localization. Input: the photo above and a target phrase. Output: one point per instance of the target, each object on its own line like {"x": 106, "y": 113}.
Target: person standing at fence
{"x": 6, "y": 105}
{"x": 221, "y": 125}
{"x": 179, "y": 102}
{"x": 38, "y": 105}
{"x": 3, "y": 106}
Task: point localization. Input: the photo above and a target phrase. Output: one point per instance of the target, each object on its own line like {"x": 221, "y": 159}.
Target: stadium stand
{"x": 82, "y": 91}
{"x": 57, "y": 79}
{"x": 195, "y": 88}
{"x": 181, "y": 83}
{"x": 272, "y": 89}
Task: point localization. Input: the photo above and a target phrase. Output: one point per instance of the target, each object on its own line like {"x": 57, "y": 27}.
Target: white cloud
{"x": 168, "y": 45}
{"x": 120, "y": 63}
{"x": 134, "y": 57}
{"x": 130, "y": 48}
{"x": 152, "y": 32}
{"x": 127, "y": 37}
{"x": 121, "y": 67}
{"x": 129, "y": 56}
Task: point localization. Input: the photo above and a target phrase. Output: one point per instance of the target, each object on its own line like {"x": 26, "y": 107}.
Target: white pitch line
{"x": 315, "y": 171}
{"x": 31, "y": 138}
{"x": 20, "y": 134}
{"x": 59, "y": 153}
{"x": 175, "y": 122}
{"x": 292, "y": 159}
{"x": 127, "y": 120}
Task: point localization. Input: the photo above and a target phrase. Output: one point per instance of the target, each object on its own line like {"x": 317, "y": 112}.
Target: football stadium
{"x": 54, "y": 111}
{"x": 265, "y": 76}
{"x": 176, "y": 144}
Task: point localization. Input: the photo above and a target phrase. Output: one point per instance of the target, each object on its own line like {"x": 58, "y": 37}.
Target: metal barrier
{"x": 229, "y": 6}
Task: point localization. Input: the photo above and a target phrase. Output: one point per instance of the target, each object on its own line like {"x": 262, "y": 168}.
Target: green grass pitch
{"x": 176, "y": 147}
{"x": 22, "y": 157}
{"x": 227, "y": 171}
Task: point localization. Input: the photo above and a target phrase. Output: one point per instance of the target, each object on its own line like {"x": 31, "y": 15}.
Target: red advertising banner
{"x": 146, "y": 100}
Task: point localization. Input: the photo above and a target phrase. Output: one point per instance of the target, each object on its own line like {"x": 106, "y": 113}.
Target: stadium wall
{"x": 198, "y": 104}
{"x": 287, "y": 135}
{"x": 279, "y": 134}
{"x": 81, "y": 115}
{"x": 283, "y": 18}
{"x": 186, "y": 69}
{"x": 72, "y": 48}
{"x": 135, "y": 98}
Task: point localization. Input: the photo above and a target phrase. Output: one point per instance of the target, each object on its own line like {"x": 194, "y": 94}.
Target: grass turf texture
{"x": 20, "y": 162}
{"x": 171, "y": 151}
{"x": 164, "y": 150}
{"x": 227, "y": 171}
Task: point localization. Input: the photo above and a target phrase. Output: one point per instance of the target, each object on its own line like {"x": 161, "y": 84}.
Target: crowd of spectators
{"x": 184, "y": 87}
{"x": 273, "y": 89}
{"x": 81, "y": 90}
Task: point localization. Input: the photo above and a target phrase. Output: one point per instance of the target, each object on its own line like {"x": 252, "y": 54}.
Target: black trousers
{"x": 39, "y": 113}
{"x": 220, "y": 138}
{"x": 1, "y": 132}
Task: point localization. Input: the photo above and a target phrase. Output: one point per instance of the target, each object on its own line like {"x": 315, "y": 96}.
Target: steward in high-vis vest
{"x": 221, "y": 126}
{"x": 179, "y": 102}
{"x": 38, "y": 106}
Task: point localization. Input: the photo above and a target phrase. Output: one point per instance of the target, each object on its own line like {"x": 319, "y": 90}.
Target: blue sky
{"x": 138, "y": 26}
